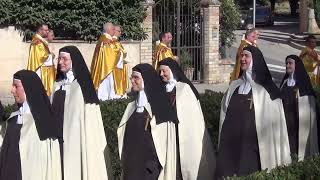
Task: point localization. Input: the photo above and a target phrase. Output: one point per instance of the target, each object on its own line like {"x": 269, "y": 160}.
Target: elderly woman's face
{"x": 64, "y": 62}
{"x": 290, "y": 66}
{"x": 136, "y": 81}
{"x": 245, "y": 60}
{"x": 164, "y": 73}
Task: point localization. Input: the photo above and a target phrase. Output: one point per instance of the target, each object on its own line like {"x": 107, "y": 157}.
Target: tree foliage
{"x": 229, "y": 22}
{"x": 316, "y": 5}
{"x": 76, "y": 19}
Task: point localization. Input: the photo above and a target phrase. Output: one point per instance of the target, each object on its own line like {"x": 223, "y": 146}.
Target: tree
{"x": 293, "y": 6}
{"x": 272, "y": 4}
{"x": 76, "y": 19}
{"x": 316, "y": 5}
{"x": 229, "y": 22}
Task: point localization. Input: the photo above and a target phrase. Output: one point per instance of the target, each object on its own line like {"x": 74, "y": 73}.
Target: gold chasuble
{"x": 120, "y": 73}
{"x": 38, "y": 55}
{"x": 310, "y": 60}
{"x": 104, "y": 60}
{"x": 236, "y": 71}
{"x": 162, "y": 51}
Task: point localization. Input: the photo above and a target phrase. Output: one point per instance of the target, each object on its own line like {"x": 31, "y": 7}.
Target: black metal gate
{"x": 183, "y": 18}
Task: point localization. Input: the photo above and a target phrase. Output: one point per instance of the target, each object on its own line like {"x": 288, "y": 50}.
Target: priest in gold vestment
{"x": 120, "y": 74}
{"x": 163, "y": 50}
{"x": 311, "y": 59}
{"x": 39, "y": 59}
{"x": 103, "y": 64}
{"x": 250, "y": 38}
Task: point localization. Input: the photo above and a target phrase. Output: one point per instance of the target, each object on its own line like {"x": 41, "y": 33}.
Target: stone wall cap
{"x": 92, "y": 42}
{"x": 206, "y": 3}
{"x": 148, "y": 3}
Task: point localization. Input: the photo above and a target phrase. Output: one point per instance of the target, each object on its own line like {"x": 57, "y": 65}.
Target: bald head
{"x": 108, "y": 28}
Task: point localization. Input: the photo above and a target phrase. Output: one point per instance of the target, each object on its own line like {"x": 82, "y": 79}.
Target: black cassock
{"x": 290, "y": 106}
{"x": 10, "y": 162}
{"x": 238, "y": 152}
{"x": 139, "y": 157}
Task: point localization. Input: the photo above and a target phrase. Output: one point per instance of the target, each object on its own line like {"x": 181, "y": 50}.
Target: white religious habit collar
{"x": 171, "y": 83}
{"x": 245, "y": 87}
{"x": 68, "y": 79}
{"x": 24, "y": 109}
{"x": 291, "y": 81}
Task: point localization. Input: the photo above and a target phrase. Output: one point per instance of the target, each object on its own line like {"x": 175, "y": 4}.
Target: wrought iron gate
{"x": 183, "y": 18}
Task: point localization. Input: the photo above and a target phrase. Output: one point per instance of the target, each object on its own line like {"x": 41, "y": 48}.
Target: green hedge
{"x": 112, "y": 112}
{"x": 305, "y": 170}
{"x": 76, "y": 19}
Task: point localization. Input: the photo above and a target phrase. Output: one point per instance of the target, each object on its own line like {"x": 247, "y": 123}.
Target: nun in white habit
{"x": 252, "y": 131}
{"x": 299, "y": 102}
{"x": 195, "y": 155}
{"x": 76, "y": 107}
{"x": 146, "y": 133}
{"x": 30, "y": 148}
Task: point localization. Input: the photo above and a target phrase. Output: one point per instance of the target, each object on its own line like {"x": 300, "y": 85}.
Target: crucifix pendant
{"x": 147, "y": 123}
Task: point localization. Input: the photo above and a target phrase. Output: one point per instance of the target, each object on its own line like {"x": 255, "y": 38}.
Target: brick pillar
{"x": 214, "y": 70}
{"x": 146, "y": 45}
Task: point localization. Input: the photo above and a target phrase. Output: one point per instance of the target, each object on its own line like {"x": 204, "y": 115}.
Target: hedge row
{"x": 76, "y": 19}
{"x": 112, "y": 112}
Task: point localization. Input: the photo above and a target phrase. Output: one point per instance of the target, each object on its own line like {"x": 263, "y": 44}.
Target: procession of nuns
{"x": 162, "y": 134}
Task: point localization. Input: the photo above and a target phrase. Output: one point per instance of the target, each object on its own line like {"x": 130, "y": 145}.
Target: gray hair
{"x": 106, "y": 26}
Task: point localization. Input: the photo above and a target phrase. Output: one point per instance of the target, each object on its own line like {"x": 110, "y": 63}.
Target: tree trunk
{"x": 304, "y": 14}
{"x": 273, "y": 4}
{"x": 293, "y": 7}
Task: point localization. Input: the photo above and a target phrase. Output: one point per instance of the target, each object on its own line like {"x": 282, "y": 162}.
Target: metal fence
{"x": 183, "y": 18}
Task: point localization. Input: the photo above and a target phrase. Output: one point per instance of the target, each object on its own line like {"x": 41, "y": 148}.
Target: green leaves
{"x": 76, "y": 19}
{"x": 316, "y": 5}
{"x": 229, "y": 22}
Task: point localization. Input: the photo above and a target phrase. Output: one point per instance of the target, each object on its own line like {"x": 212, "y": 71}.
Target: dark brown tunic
{"x": 238, "y": 152}
{"x": 139, "y": 157}
{"x": 290, "y": 106}
{"x": 10, "y": 162}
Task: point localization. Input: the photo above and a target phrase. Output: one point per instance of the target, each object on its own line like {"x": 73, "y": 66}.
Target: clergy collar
{"x": 115, "y": 37}
{"x": 41, "y": 38}
{"x": 163, "y": 44}
{"x": 108, "y": 36}
{"x": 250, "y": 43}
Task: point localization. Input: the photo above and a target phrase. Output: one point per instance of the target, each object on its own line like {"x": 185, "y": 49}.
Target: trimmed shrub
{"x": 77, "y": 19}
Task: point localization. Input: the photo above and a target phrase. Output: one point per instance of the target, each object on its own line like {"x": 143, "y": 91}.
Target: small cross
{"x": 147, "y": 123}
{"x": 296, "y": 92}
{"x": 251, "y": 102}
